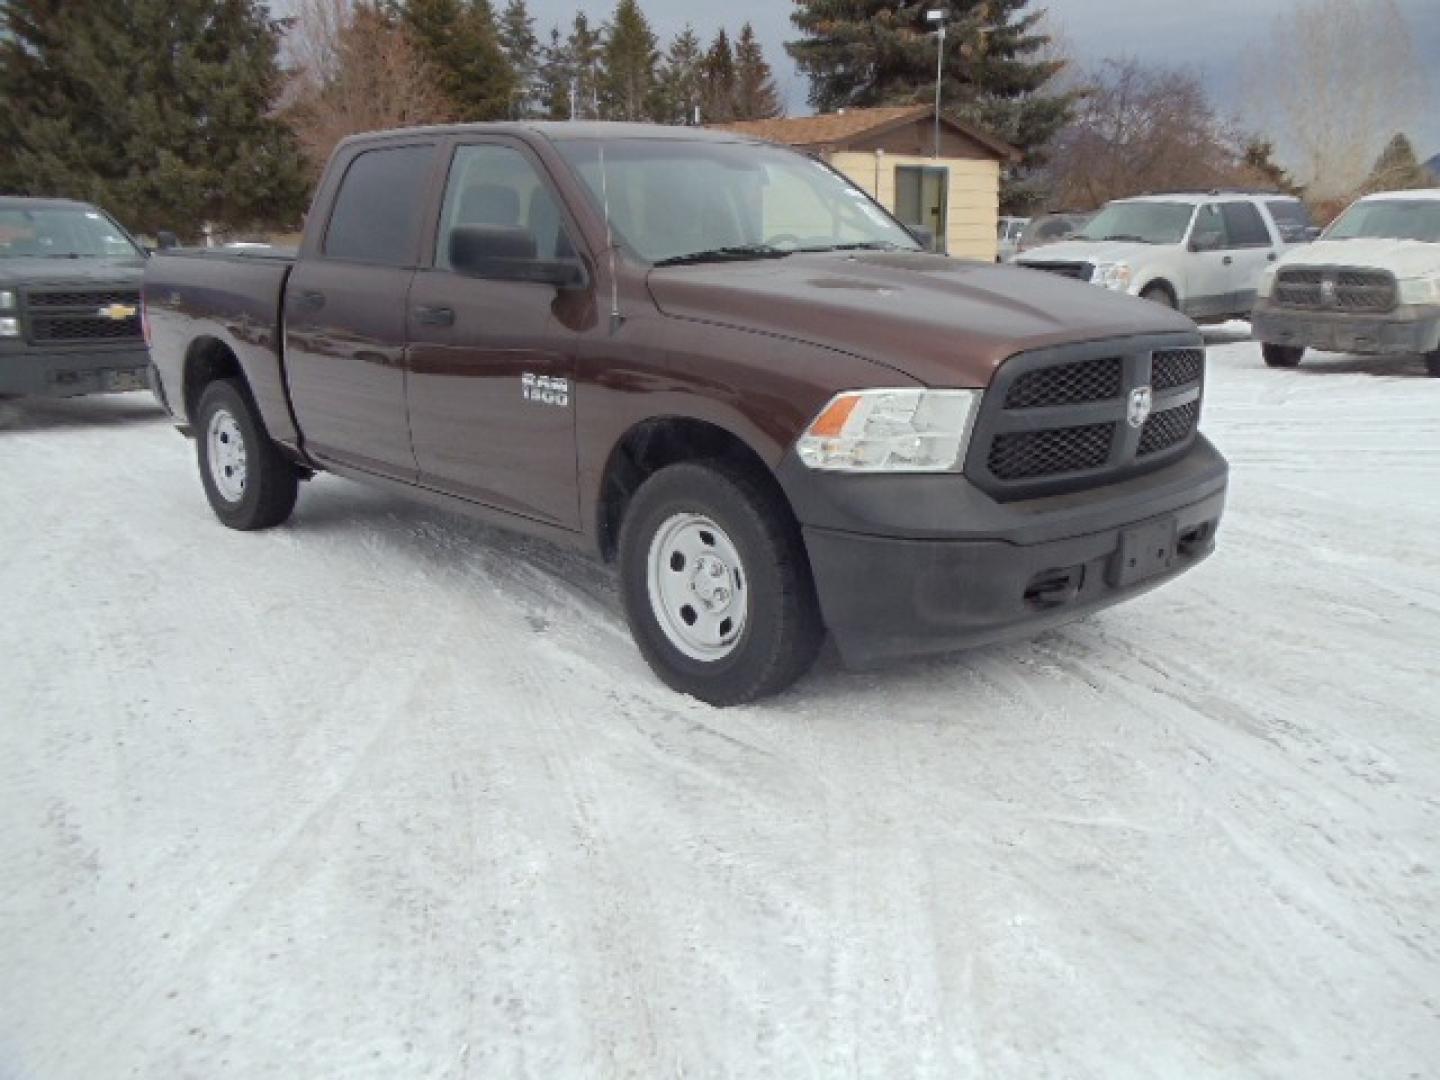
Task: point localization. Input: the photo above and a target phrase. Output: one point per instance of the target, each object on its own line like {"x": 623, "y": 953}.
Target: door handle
{"x": 1272, "y": 256}
{"x": 435, "y": 316}
{"x": 310, "y": 299}
{"x": 1228, "y": 260}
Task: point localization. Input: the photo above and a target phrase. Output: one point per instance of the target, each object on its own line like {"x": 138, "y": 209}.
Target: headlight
{"x": 906, "y": 431}
{"x": 1266, "y": 285}
{"x": 9, "y": 327}
{"x": 1421, "y": 290}
{"x": 1114, "y": 275}
{"x": 7, "y": 300}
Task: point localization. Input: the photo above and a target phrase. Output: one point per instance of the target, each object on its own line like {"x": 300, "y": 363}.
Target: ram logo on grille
{"x": 1137, "y": 409}
{"x": 117, "y": 312}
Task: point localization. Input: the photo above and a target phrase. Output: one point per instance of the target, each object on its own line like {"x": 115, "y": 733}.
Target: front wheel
{"x": 716, "y": 585}
{"x": 1282, "y": 355}
{"x": 249, "y": 483}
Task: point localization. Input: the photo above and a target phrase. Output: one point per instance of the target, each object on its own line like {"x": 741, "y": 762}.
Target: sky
{"x": 1209, "y": 35}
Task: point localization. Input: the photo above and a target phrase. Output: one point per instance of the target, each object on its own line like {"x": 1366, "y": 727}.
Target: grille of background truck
{"x": 1058, "y": 419}
{"x": 72, "y": 316}
{"x": 1332, "y": 288}
{"x": 1081, "y": 271}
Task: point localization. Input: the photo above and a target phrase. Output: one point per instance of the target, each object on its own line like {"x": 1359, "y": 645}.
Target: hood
{"x": 31, "y": 271}
{"x": 1094, "y": 251}
{"x": 943, "y": 322}
{"x": 1403, "y": 258}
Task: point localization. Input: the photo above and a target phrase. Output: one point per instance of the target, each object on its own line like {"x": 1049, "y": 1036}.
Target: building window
{"x": 920, "y": 201}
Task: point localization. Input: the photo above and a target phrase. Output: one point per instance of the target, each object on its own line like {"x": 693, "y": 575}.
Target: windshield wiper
{"x": 735, "y": 253}
{"x": 1131, "y": 237}
{"x": 863, "y": 245}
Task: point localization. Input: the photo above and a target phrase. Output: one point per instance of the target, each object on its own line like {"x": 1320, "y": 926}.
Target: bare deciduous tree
{"x": 355, "y": 70}
{"x": 1333, "y": 81}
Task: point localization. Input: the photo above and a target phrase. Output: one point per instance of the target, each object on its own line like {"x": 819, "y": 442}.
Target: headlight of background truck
{"x": 1114, "y": 275}
{"x": 901, "y": 431}
{"x": 1421, "y": 290}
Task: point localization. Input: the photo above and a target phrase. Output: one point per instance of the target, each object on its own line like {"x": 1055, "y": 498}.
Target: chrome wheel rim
{"x": 225, "y": 451}
{"x": 698, "y": 587}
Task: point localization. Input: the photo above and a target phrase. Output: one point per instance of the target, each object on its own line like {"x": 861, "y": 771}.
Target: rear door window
{"x": 1292, "y": 218}
{"x": 377, "y": 211}
{"x": 1244, "y": 225}
{"x": 1210, "y": 228}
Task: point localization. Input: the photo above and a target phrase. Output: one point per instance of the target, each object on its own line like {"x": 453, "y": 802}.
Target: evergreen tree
{"x": 1398, "y": 169}
{"x": 459, "y": 39}
{"x": 1258, "y": 164}
{"x": 630, "y": 59}
{"x": 717, "y": 81}
{"x": 522, "y": 49}
{"x": 583, "y": 56}
{"x": 158, "y": 110}
{"x": 882, "y": 52}
{"x": 680, "y": 78}
{"x": 756, "y": 96}
{"x": 556, "y": 76}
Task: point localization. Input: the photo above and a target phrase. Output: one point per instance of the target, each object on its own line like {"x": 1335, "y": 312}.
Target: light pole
{"x": 938, "y": 16}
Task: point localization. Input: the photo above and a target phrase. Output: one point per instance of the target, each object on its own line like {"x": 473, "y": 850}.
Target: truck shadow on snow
{"x": 25, "y": 415}
{"x": 1389, "y": 367}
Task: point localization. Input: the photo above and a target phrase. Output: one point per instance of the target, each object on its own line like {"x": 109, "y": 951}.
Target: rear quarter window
{"x": 1292, "y": 218}
{"x": 376, "y": 217}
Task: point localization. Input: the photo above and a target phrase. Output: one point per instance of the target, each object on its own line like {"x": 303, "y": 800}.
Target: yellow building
{"x": 890, "y": 152}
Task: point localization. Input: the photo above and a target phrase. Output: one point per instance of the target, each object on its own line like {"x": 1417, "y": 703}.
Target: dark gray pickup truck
{"x": 69, "y": 301}
{"x": 718, "y": 363}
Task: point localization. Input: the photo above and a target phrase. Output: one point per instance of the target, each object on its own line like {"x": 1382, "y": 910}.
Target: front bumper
{"x": 1404, "y": 331}
{"x": 991, "y": 571}
{"x": 47, "y": 373}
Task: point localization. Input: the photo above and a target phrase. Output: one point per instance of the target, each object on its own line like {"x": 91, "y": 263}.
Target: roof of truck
{"x": 1428, "y": 194}
{"x": 566, "y": 130}
{"x": 26, "y": 202}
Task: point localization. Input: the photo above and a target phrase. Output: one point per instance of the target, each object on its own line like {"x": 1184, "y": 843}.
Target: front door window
{"x": 920, "y": 201}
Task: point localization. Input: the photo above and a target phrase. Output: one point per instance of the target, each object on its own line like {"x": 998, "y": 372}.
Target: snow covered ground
{"x": 385, "y": 793}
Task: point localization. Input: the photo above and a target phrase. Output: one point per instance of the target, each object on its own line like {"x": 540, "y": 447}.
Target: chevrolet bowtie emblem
{"x": 117, "y": 312}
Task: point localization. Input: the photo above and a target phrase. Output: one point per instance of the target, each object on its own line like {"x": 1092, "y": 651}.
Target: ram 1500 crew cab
{"x": 716, "y": 362}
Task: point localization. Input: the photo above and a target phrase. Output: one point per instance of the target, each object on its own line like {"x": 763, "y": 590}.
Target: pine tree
{"x": 717, "y": 81}
{"x": 679, "y": 90}
{"x": 756, "y": 96}
{"x": 164, "y": 137}
{"x": 460, "y": 40}
{"x": 882, "y": 52}
{"x": 1398, "y": 168}
{"x": 556, "y": 75}
{"x": 630, "y": 58}
{"x": 584, "y": 54}
{"x": 522, "y": 49}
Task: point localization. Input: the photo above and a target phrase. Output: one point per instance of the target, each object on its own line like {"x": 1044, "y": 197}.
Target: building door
{"x": 920, "y": 200}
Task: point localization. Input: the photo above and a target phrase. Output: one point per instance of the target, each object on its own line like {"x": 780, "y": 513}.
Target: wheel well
{"x": 206, "y": 361}
{"x": 650, "y": 446}
{"x": 1163, "y": 286}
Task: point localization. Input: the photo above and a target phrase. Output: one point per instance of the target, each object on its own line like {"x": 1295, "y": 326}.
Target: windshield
{"x": 674, "y": 201}
{"x": 1389, "y": 219}
{"x": 1140, "y": 222}
{"x": 62, "y": 232}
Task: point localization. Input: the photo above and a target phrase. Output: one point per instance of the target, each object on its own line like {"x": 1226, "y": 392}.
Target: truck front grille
{"x": 1080, "y": 271}
{"x": 65, "y": 316}
{"x": 1075, "y": 416}
{"x": 1331, "y": 288}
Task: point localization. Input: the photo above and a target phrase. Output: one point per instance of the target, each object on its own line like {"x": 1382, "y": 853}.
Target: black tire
{"x": 1432, "y": 364}
{"x": 782, "y": 631}
{"x": 1282, "y": 356}
{"x": 1159, "y": 294}
{"x": 270, "y": 483}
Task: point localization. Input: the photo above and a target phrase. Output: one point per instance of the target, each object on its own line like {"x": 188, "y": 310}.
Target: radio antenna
{"x": 615, "y": 317}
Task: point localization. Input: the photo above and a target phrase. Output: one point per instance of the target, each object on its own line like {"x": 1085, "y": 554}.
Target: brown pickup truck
{"x": 715, "y": 362}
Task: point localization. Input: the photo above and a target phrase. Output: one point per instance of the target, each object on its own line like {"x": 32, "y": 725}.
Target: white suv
{"x": 1370, "y": 285}
{"x": 1202, "y": 254}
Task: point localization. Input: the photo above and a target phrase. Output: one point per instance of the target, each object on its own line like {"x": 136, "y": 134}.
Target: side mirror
{"x": 165, "y": 240}
{"x": 508, "y": 253}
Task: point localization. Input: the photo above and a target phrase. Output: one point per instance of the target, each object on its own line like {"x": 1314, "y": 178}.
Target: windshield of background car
{"x": 669, "y": 199}
{"x": 1140, "y": 222}
{"x": 1389, "y": 219}
{"x": 61, "y": 233}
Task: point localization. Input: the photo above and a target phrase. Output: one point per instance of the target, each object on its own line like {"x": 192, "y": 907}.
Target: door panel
{"x": 1252, "y": 249}
{"x": 1208, "y": 274}
{"x": 344, "y": 361}
{"x": 491, "y": 388}
{"x": 920, "y": 200}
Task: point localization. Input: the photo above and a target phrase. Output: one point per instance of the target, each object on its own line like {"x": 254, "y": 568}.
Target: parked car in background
{"x": 1049, "y": 229}
{"x": 1202, "y": 254}
{"x": 700, "y": 356}
{"x": 1008, "y": 235}
{"x": 1370, "y": 285}
{"x": 69, "y": 301}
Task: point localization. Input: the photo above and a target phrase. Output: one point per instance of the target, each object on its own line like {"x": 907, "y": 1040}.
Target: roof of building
{"x": 848, "y": 125}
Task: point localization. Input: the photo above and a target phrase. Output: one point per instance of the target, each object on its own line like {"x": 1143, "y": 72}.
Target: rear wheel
{"x": 1282, "y": 355}
{"x": 1432, "y": 364}
{"x": 716, "y": 584}
{"x": 248, "y": 481}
